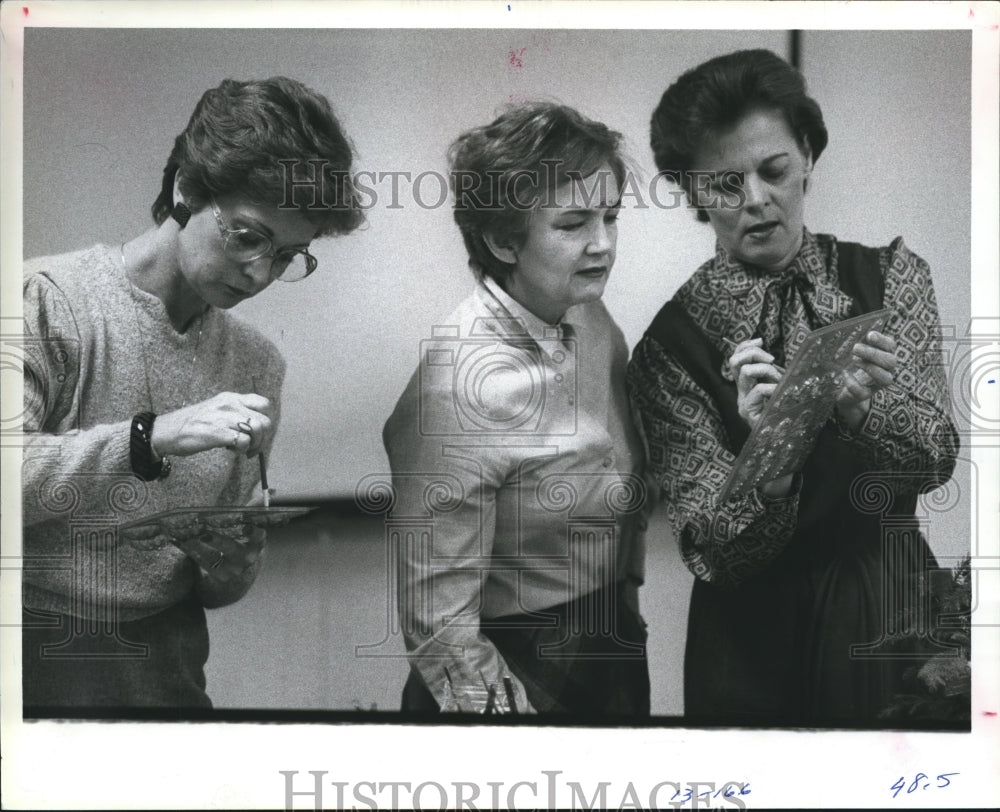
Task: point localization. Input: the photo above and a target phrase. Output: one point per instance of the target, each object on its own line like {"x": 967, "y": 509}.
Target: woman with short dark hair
{"x": 716, "y": 96}
{"x": 136, "y": 371}
{"x": 792, "y": 575}
{"x": 518, "y": 503}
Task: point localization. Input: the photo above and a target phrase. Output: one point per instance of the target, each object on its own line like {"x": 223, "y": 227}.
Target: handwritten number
{"x": 745, "y": 788}
{"x": 687, "y": 798}
{"x": 920, "y": 780}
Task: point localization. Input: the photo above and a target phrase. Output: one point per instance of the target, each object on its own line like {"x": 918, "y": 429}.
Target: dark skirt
{"x": 808, "y": 642}
{"x": 154, "y": 662}
{"x": 574, "y": 663}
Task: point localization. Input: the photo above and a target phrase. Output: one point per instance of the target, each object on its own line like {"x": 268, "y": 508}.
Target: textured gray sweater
{"x": 92, "y": 341}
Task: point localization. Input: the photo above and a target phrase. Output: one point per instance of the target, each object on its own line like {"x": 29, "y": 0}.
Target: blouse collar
{"x": 518, "y": 320}
{"x": 815, "y": 264}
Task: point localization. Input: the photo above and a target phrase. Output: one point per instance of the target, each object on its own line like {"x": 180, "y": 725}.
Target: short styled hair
{"x": 716, "y": 95}
{"x": 501, "y": 171}
{"x": 243, "y": 137}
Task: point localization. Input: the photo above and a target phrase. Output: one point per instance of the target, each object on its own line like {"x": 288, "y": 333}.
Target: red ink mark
{"x": 989, "y": 713}
{"x": 25, "y": 10}
{"x": 515, "y": 57}
{"x": 971, "y": 13}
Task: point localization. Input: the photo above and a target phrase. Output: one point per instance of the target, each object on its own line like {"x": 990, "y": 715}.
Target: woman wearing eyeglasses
{"x": 136, "y": 371}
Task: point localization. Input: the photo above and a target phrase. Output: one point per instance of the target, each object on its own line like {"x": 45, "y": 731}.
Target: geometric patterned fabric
{"x": 908, "y": 431}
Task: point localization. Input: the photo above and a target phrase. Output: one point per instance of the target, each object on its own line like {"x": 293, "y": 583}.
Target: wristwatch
{"x": 143, "y": 460}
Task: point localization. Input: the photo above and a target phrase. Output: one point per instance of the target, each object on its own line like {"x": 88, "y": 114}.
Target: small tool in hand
{"x": 262, "y": 462}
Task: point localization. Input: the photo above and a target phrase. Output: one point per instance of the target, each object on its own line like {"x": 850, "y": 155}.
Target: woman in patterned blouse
{"x": 787, "y": 610}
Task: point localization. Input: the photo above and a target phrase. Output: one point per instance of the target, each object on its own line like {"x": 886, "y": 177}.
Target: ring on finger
{"x": 245, "y": 427}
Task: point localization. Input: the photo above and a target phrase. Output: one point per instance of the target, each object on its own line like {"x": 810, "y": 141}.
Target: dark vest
{"x": 826, "y": 516}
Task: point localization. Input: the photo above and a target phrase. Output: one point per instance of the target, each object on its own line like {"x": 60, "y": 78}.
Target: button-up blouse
{"x": 516, "y": 477}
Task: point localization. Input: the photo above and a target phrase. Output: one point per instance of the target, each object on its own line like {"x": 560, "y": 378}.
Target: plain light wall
{"x": 101, "y": 110}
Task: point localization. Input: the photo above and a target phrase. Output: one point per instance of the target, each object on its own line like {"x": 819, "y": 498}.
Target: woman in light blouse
{"x": 513, "y": 455}
{"x": 796, "y": 580}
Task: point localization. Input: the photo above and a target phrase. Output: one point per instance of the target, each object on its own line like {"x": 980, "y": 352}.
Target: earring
{"x": 181, "y": 213}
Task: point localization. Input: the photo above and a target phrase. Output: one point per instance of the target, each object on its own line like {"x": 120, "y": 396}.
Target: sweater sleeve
{"x": 689, "y": 459}
{"x": 56, "y": 448}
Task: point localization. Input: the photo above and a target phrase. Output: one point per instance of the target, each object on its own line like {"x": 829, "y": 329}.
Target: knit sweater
{"x": 98, "y": 350}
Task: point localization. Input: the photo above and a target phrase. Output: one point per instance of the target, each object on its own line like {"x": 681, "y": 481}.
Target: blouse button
{"x": 558, "y": 356}
{"x": 559, "y": 377}
{"x": 607, "y": 462}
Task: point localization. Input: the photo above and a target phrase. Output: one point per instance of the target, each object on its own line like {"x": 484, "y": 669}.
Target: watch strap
{"x": 141, "y": 456}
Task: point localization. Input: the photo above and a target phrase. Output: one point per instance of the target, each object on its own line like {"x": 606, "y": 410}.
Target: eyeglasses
{"x": 248, "y": 245}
